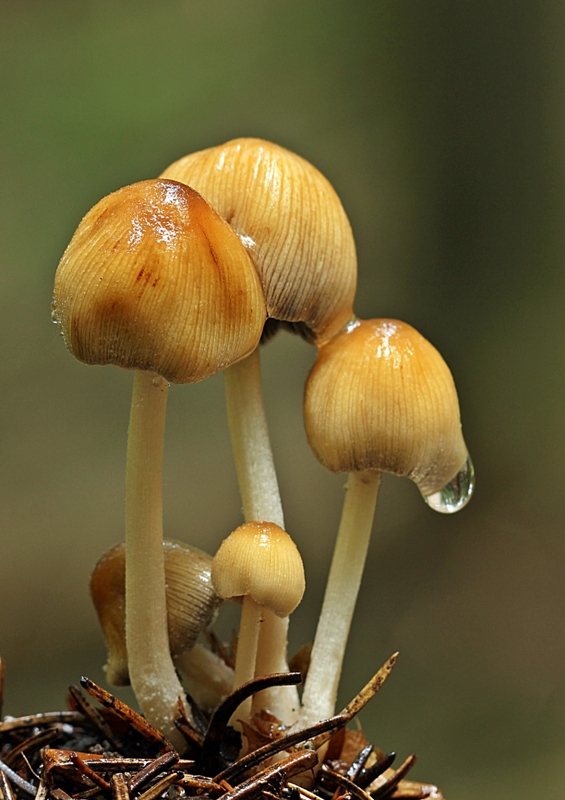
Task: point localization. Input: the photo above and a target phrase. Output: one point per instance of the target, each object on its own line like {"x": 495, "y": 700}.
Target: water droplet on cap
{"x": 455, "y": 494}
{"x": 349, "y": 325}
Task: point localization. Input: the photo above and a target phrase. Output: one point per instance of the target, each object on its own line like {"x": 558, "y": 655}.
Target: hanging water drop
{"x": 455, "y": 494}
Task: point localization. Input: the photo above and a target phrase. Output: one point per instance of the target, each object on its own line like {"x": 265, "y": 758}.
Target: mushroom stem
{"x": 152, "y": 673}
{"x": 208, "y": 678}
{"x": 320, "y": 690}
{"x": 261, "y": 500}
{"x": 246, "y": 657}
{"x": 271, "y": 657}
{"x": 250, "y": 441}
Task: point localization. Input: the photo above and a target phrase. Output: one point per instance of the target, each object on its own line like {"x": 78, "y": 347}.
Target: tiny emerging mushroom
{"x": 379, "y": 398}
{"x": 260, "y": 563}
{"x": 155, "y": 281}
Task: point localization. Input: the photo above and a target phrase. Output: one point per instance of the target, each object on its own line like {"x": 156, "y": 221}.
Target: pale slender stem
{"x": 253, "y": 456}
{"x": 282, "y": 701}
{"x": 208, "y": 678}
{"x": 246, "y": 657}
{"x": 271, "y": 657}
{"x": 320, "y": 690}
{"x": 261, "y": 500}
{"x": 152, "y": 674}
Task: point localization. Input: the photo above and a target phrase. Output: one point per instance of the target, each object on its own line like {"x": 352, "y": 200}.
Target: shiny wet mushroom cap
{"x": 261, "y": 561}
{"x": 155, "y": 280}
{"x": 381, "y": 397}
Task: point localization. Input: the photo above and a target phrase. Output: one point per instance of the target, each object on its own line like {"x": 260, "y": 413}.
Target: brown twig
{"x": 358, "y": 763}
{"x": 48, "y": 718}
{"x": 282, "y": 771}
{"x": 284, "y": 743}
{"x": 370, "y": 689}
{"x": 92, "y": 713}
{"x": 417, "y": 791}
{"x": 369, "y": 775}
{"x": 159, "y": 787}
{"x": 55, "y": 761}
{"x": 189, "y": 733}
{"x": 360, "y": 700}
{"x": 151, "y": 770}
{"x": 41, "y": 793}
{"x": 333, "y": 777}
{"x": 387, "y": 788}
{"x": 222, "y": 715}
{"x": 186, "y": 728}
{"x": 135, "y": 720}
{"x": 35, "y": 742}
{"x": 119, "y": 785}
{"x": 60, "y": 759}
{"x": 60, "y": 794}
{"x": 304, "y": 792}
{"x": 87, "y": 794}
{"x": 88, "y": 772}
{"x": 202, "y": 784}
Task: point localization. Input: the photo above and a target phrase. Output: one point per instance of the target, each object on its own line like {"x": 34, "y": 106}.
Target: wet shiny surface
{"x": 456, "y": 494}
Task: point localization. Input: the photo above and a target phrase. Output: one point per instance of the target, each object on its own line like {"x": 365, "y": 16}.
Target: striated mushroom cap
{"x": 293, "y": 224}
{"x": 154, "y": 279}
{"x": 381, "y": 397}
{"x": 261, "y": 560}
{"x": 191, "y": 602}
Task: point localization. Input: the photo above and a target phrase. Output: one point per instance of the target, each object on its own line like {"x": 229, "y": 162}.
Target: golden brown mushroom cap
{"x": 154, "y": 279}
{"x": 191, "y": 601}
{"x": 261, "y": 560}
{"x": 293, "y": 224}
{"x": 381, "y": 397}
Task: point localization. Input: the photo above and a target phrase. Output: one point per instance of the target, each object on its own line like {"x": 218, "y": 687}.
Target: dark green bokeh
{"x": 441, "y": 124}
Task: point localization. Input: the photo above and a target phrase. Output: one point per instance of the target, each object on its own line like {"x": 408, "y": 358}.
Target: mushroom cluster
{"x": 182, "y": 277}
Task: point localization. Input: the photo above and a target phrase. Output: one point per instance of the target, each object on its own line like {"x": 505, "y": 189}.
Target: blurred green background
{"x": 441, "y": 123}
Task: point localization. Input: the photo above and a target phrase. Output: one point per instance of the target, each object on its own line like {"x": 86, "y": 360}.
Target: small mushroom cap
{"x": 381, "y": 397}
{"x": 291, "y": 220}
{"x": 191, "y": 601}
{"x": 154, "y": 279}
{"x": 261, "y": 560}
